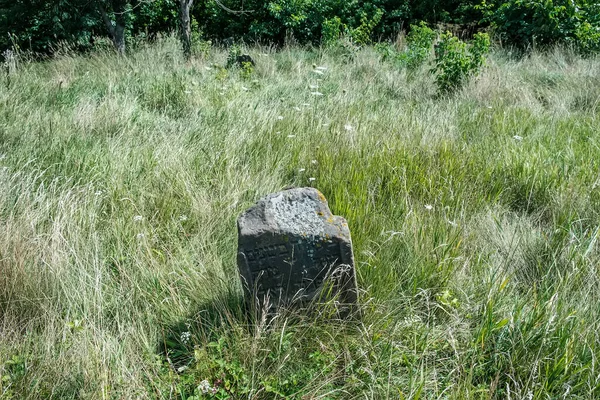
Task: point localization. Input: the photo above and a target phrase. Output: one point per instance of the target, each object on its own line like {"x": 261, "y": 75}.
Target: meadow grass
{"x": 475, "y": 219}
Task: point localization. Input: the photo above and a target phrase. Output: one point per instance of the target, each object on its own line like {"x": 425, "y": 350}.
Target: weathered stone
{"x": 290, "y": 244}
{"x": 244, "y": 59}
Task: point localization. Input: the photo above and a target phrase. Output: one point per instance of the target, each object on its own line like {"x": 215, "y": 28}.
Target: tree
{"x": 186, "y": 30}
{"x": 116, "y": 28}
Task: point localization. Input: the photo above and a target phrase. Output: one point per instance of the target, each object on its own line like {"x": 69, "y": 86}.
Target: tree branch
{"x": 229, "y": 10}
{"x": 106, "y": 19}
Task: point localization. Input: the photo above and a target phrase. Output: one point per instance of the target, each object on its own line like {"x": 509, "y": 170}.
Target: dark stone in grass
{"x": 293, "y": 250}
{"x": 243, "y": 59}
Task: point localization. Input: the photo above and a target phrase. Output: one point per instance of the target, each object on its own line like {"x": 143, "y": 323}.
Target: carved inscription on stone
{"x": 289, "y": 244}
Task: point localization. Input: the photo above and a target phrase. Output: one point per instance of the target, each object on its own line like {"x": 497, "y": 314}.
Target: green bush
{"x": 456, "y": 61}
{"x": 331, "y": 31}
{"x": 530, "y": 23}
{"x": 361, "y": 35}
{"x": 587, "y": 38}
{"x": 419, "y": 42}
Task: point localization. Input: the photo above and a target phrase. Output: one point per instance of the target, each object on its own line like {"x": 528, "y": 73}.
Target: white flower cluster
{"x": 205, "y": 387}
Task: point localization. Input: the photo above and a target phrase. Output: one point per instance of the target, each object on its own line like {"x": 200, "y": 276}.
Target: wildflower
{"x": 278, "y": 133}
{"x": 140, "y": 236}
{"x": 428, "y": 207}
{"x": 316, "y": 93}
{"x": 297, "y": 109}
{"x": 280, "y": 117}
{"x": 188, "y": 92}
{"x": 185, "y": 337}
{"x": 313, "y": 87}
{"x": 348, "y": 127}
{"x": 98, "y": 193}
{"x": 518, "y": 138}
{"x": 204, "y": 387}
{"x": 183, "y": 218}
{"x": 306, "y": 104}
{"x": 302, "y": 170}
{"x": 313, "y": 162}
{"x": 291, "y": 136}
{"x": 312, "y": 179}
{"x": 138, "y": 218}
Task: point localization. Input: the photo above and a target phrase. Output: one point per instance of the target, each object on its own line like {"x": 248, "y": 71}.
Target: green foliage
{"x": 419, "y": 44}
{"x": 587, "y": 38}
{"x": 528, "y": 23}
{"x": 362, "y": 34}
{"x": 331, "y": 31}
{"x": 233, "y": 53}
{"x": 39, "y": 25}
{"x": 456, "y": 61}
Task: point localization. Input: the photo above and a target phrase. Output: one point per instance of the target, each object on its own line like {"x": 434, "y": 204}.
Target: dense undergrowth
{"x": 474, "y": 215}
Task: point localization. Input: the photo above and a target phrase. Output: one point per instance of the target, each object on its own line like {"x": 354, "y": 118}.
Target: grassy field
{"x": 475, "y": 219}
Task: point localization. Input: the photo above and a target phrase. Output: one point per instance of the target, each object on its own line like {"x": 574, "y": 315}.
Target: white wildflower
{"x": 428, "y": 207}
{"x": 518, "y": 138}
{"x": 313, "y": 162}
{"x": 188, "y": 92}
{"x": 280, "y": 117}
{"x": 183, "y": 217}
{"x": 316, "y": 93}
{"x": 185, "y": 337}
{"x": 348, "y": 127}
{"x": 204, "y": 387}
{"x": 306, "y": 104}
{"x": 291, "y": 136}
{"x": 312, "y": 179}
{"x": 140, "y": 236}
{"x": 313, "y": 87}
{"x": 138, "y": 218}
{"x": 297, "y": 109}
{"x": 302, "y": 170}
{"x": 98, "y": 193}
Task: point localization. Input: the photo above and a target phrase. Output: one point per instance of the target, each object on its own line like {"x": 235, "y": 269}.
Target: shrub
{"x": 361, "y": 35}
{"x": 587, "y": 38}
{"x": 331, "y": 31}
{"x": 420, "y": 39}
{"x": 456, "y": 61}
{"x": 528, "y": 23}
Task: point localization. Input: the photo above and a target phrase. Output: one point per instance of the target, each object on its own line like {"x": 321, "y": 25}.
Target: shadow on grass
{"x": 204, "y": 325}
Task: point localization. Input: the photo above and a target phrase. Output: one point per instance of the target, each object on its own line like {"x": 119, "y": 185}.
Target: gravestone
{"x": 291, "y": 247}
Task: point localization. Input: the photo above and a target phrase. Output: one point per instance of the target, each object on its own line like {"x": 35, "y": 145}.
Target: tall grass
{"x": 475, "y": 220}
